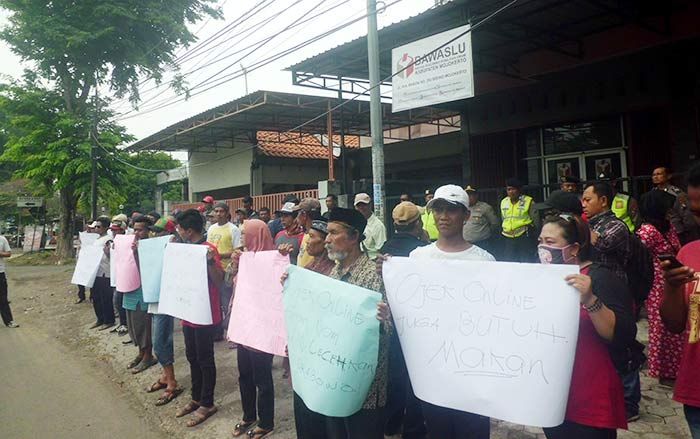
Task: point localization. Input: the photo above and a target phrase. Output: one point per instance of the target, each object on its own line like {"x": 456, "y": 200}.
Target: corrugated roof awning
{"x": 239, "y": 121}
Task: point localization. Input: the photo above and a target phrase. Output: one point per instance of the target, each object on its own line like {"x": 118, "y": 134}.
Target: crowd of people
{"x": 628, "y": 253}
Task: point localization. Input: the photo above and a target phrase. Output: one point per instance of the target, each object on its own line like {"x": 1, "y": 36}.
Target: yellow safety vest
{"x": 620, "y": 207}
{"x": 516, "y": 217}
{"x": 429, "y": 225}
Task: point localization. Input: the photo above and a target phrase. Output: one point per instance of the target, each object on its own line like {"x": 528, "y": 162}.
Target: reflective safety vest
{"x": 620, "y": 207}
{"x": 429, "y": 225}
{"x": 516, "y": 217}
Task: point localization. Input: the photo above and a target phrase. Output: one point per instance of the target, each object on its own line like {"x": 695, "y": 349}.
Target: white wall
{"x": 225, "y": 171}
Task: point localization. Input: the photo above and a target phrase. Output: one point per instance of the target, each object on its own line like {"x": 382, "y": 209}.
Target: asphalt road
{"x": 48, "y": 393}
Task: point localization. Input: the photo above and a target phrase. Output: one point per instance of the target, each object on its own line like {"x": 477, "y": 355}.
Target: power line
{"x": 345, "y": 102}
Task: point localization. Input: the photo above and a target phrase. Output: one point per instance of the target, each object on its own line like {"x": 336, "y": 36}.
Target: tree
{"x": 79, "y": 46}
{"x": 141, "y": 185}
{"x": 50, "y": 147}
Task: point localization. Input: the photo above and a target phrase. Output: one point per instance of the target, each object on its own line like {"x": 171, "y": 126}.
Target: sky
{"x": 270, "y": 21}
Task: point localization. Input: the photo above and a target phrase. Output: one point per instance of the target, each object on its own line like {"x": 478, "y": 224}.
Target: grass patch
{"x": 44, "y": 257}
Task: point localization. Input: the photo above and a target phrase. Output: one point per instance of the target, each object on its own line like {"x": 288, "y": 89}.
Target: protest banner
{"x": 496, "y": 339}
{"x": 333, "y": 337}
{"x": 151, "y": 252}
{"x": 112, "y": 269}
{"x": 87, "y": 265}
{"x": 257, "y": 315}
{"x": 87, "y": 238}
{"x": 128, "y": 277}
{"x": 184, "y": 285}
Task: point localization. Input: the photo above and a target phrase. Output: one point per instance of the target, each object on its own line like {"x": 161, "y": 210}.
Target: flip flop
{"x": 187, "y": 409}
{"x": 242, "y": 428}
{"x": 259, "y": 433}
{"x": 143, "y": 366}
{"x": 201, "y": 414}
{"x": 156, "y": 387}
{"x": 135, "y": 362}
{"x": 168, "y": 396}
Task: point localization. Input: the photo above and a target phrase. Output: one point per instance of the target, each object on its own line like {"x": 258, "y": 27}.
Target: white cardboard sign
{"x": 87, "y": 265}
{"x": 184, "y": 287}
{"x": 492, "y": 338}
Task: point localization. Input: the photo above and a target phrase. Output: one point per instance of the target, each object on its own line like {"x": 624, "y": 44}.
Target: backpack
{"x": 640, "y": 270}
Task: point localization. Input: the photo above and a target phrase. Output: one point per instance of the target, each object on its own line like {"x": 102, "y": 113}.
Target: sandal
{"x": 135, "y": 362}
{"x": 187, "y": 409}
{"x": 143, "y": 366}
{"x": 156, "y": 387}
{"x": 243, "y": 427}
{"x": 259, "y": 433}
{"x": 168, "y": 396}
{"x": 202, "y": 414}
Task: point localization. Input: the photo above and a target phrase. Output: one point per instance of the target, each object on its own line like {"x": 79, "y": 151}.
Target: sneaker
{"x": 115, "y": 329}
{"x": 122, "y": 330}
{"x": 12, "y": 324}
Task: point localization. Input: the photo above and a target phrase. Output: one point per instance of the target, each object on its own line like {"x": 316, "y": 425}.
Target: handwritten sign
{"x": 257, "y": 315}
{"x": 128, "y": 278}
{"x": 184, "y": 286}
{"x": 87, "y": 265}
{"x": 496, "y": 339}
{"x": 333, "y": 337}
{"x": 151, "y": 253}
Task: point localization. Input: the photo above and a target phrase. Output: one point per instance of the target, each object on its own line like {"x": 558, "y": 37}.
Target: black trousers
{"x": 365, "y": 424}
{"x": 520, "y": 249}
{"x": 444, "y": 423}
{"x": 572, "y": 430}
{"x": 81, "y": 292}
{"x": 256, "y": 386}
{"x": 199, "y": 350}
{"x": 102, "y": 300}
{"x": 403, "y": 409}
{"x": 5, "y": 310}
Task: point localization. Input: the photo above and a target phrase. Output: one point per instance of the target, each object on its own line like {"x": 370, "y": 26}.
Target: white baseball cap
{"x": 451, "y": 193}
{"x": 288, "y": 207}
{"x": 362, "y": 198}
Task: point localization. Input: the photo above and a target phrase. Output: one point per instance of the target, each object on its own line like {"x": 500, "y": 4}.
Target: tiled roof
{"x": 299, "y": 146}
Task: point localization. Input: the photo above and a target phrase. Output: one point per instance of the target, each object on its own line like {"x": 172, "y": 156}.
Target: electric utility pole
{"x": 93, "y": 158}
{"x": 375, "y": 110}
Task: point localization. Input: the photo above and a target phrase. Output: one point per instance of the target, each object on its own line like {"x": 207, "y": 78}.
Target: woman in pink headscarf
{"x": 255, "y": 367}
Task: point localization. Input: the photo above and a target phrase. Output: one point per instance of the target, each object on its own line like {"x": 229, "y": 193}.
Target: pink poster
{"x": 257, "y": 317}
{"x": 128, "y": 278}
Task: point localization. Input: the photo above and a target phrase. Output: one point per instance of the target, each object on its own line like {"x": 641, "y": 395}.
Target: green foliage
{"x": 113, "y": 40}
{"x": 140, "y": 186}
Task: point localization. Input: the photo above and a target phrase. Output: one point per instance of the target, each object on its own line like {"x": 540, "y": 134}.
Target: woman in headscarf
{"x": 255, "y": 367}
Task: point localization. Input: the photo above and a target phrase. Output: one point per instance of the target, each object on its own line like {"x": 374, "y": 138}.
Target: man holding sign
{"x": 345, "y": 233}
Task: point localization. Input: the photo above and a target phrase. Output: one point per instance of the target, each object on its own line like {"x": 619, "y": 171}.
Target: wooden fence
{"x": 271, "y": 201}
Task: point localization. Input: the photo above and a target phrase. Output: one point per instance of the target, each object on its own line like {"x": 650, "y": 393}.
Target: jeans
{"x": 692, "y": 416}
{"x": 199, "y": 350}
{"x": 117, "y": 302}
{"x": 572, "y": 430}
{"x": 403, "y": 409}
{"x": 102, "y": 301}
{"x": 444, "y": 423}
{"x": 256, "y": 386}
{"x": 163, "y": 339}
{"x": 5, "y": 310}
{"x": 633, "y": 391}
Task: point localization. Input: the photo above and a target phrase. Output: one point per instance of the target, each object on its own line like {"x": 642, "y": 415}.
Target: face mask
{"x": 555, "y": 255}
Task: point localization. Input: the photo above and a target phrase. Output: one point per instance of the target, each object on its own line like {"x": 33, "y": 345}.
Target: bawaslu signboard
{"x": 435, "y": 70}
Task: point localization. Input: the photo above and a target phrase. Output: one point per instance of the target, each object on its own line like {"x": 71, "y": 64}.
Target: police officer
{"x": 623, "y": 205}
{"x": 428, "y": 219}
{"x": 517, "y": 214}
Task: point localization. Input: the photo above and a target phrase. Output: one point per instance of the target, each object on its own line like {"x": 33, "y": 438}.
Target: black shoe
{"x": 96, "y": 325}
{"x": 79, "y": 301}
{"x": 106, "y": 326}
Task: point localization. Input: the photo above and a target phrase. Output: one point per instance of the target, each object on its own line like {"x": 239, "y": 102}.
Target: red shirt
{"x": 596, "y": 397}
{"x": 687, "y": 389}
{"x": 213, "y": 294}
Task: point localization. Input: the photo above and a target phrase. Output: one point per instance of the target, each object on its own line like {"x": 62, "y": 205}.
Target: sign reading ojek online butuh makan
{"x": 333, "y": 337}
{"x": 433, "y": 70}
{"x": 493, "y": 338}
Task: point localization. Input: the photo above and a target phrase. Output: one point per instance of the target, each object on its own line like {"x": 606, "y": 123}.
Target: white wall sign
{"x": 493, "y": 338}
{"x": 433, "y": 76}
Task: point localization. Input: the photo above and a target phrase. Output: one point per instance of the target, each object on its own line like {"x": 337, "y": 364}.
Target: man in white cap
{"x": 375, "y": 232}
{"x": 450, "y": 207}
